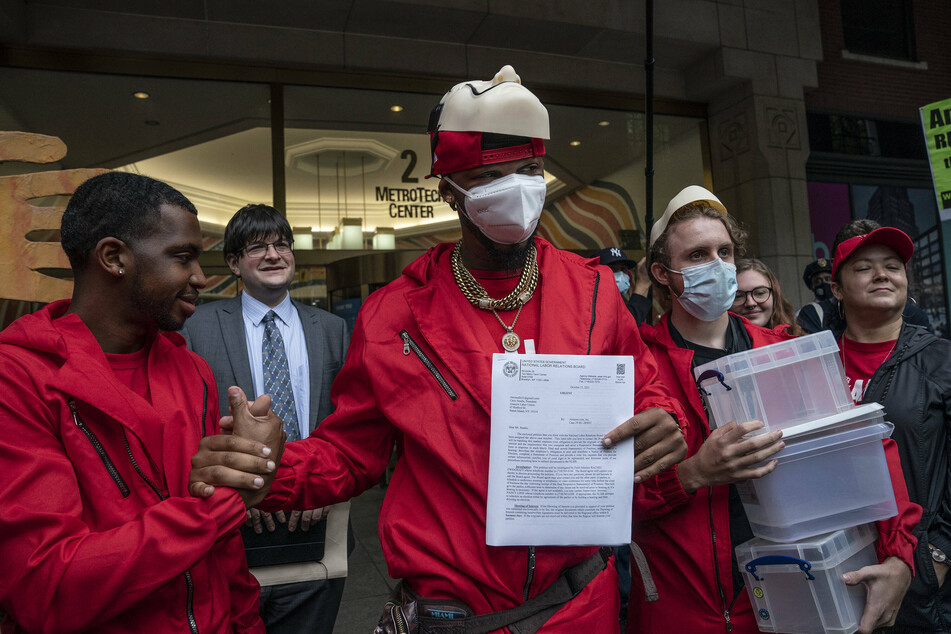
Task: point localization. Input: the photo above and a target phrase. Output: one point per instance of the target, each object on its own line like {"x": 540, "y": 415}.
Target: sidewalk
{"x": 368, "y": 585}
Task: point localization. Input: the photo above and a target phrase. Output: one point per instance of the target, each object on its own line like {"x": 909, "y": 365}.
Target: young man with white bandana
{"x": 690, "y": 518}
{"x": 418, "y": 372}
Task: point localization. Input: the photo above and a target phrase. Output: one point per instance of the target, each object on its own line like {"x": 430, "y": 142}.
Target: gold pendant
{"x": 510, "y": 341}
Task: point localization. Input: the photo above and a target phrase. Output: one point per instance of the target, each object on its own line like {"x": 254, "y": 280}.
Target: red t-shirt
{"x": 860, "y": 361}
{"x": 498, "y": 284}
{"x": 132, "y": 370}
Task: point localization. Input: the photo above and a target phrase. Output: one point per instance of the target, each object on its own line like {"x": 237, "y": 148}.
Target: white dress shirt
{"x": 292, "y": 332}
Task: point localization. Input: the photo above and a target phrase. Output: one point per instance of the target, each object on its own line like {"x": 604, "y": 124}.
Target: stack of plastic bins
{"x": 830, "y": 478}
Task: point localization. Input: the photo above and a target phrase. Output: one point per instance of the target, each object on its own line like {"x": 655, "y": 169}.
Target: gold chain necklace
{"x": 479, "y": 297}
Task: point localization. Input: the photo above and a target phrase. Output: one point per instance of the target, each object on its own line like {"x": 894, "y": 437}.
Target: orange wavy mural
{"x": 23, "y": 258}
{"x": 590, "y": 218}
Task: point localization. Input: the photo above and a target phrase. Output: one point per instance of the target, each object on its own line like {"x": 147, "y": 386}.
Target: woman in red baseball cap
{"x": 907, "y": 370}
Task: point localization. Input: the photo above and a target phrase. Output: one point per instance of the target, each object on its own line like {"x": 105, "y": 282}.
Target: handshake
{"x": 245, "y": 455}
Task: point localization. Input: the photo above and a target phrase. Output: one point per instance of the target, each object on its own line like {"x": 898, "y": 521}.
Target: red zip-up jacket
{"x": 432, "y": 523}
{"x": 97, "y": 530}
{"x": 686, "y": 538}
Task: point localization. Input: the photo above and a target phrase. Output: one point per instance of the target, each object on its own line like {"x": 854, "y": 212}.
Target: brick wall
{"x": 882, "y": 89}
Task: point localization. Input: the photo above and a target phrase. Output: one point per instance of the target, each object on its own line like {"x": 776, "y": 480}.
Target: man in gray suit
{"x": 266, "y": 343}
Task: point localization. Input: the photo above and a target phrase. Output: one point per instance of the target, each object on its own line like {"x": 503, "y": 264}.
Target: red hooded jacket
{"x": 686, "y": 537}
{"x": 432, "y": 523}
{"x": 97, "y": 530}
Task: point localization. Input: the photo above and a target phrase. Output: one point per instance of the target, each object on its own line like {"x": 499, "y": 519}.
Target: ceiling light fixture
{"x": 141, "y": 95}
{"x": 396, "y": 108}
{"x": 604, "y": 123}
{"x": 574, "y": 143}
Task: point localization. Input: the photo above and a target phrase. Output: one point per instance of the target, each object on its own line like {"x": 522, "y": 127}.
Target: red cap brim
{"x": 888, "y": 236}
{"x": 457, "y": 151}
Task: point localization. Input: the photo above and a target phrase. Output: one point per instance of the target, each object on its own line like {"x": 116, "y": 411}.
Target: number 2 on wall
{"x": 411, "y": 155}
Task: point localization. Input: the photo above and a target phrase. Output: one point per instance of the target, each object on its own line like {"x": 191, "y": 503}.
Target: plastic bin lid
{"x": 822, "y": 551}
{"x": 803, "y": 446}
{"x": 771, "y": 356}
{"x": 871, "y": 412}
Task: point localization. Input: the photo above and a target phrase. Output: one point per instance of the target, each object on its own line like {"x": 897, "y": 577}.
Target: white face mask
{"x": 709, "y": 289}
{"x": 507, "y": 209}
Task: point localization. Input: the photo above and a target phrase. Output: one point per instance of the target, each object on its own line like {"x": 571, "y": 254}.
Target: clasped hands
{"x": 245, "y": 460}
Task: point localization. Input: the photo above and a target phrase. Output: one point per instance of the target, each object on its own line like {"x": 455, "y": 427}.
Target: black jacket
{"x": 640, "y": 308}
{"x": 914, "y": 386}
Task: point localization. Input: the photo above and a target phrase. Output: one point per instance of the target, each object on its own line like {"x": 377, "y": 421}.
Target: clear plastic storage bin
{"x": 782, "y": 385}
{"x": 798, "y": 587}
{"x": 828, "y": 478}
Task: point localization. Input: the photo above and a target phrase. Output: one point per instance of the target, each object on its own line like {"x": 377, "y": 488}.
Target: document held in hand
{"x": 551, "y": 483}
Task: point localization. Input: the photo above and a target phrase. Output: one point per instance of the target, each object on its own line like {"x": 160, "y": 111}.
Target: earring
{"x": 121, "y": 271}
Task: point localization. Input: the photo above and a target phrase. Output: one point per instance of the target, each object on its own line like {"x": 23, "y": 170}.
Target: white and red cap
{"x": 484, "y": 122}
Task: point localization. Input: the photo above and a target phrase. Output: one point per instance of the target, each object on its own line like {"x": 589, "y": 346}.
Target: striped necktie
{"x": 277, "y": 377}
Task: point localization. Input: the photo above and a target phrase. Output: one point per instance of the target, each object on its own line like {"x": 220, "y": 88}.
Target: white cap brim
{"x": 689, "y": 194}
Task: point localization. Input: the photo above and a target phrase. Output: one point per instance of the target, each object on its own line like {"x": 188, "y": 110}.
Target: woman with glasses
{"x": 760, "y": 299}
{"x": 907, "y": 369}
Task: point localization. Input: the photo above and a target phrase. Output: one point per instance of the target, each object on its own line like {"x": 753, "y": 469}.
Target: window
{"x": 845, "y": 134}
{"x": 882, "y": 28}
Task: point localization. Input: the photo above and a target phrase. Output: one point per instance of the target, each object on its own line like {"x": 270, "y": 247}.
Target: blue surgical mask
{"x": 709, "y": 289}
{"x": 623, "y": 281}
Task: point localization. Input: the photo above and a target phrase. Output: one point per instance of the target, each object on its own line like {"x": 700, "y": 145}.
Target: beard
{"x": 160, "y": 311}
{"x": 509, "y": 257}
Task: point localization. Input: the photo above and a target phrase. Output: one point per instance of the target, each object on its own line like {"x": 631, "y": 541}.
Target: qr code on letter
{"x": 620, "y": 368}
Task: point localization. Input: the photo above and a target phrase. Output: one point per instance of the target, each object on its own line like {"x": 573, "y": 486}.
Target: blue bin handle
{"x": 710, "y": 374}
{"x": 779, "y": 560}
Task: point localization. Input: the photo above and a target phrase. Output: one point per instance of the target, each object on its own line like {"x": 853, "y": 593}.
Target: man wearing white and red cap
{"x": 418, "y": 373}
{"x": 690, "y": 518}
{"x": 905, "y": 368}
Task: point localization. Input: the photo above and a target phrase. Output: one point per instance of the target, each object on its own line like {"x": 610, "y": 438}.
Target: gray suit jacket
{"x": 216, "y": 333}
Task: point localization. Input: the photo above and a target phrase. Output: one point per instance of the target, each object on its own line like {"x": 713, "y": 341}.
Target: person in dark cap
{"x": 814, "y": 316}
{"x": 818, "y": 278}
{"x": 633, "y": 289}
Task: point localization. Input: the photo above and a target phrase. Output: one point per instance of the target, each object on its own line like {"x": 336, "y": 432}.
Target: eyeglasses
{"x": 759, "y": 294}
{"x": 259, "y": 249}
